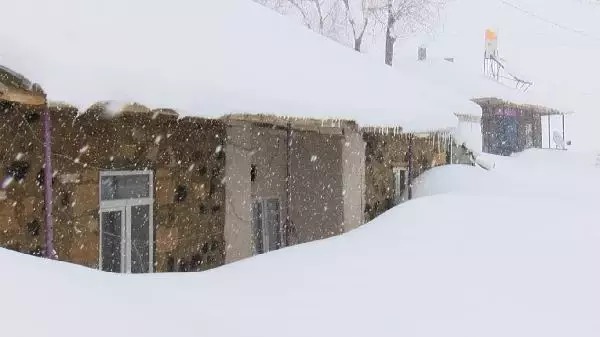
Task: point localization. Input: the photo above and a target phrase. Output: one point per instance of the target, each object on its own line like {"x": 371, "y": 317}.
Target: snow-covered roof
{"x": 211, "y": 58}
{"x": 15, "y": 87}
{"x": 479, "y": 87}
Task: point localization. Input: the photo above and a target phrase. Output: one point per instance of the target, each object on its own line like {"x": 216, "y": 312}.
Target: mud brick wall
{"x": 184, "y": 155}
{"x": 21, "y": 198}
{"x": 386, "y": 151}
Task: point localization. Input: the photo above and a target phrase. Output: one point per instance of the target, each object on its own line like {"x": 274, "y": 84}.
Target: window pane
{"x": 399, "y": 184}
{"x": 111, "y": 241}
{"x": 273, "y": 223}
{"x": 125, "y": 187}
{"x": 257, "y": 232}
{"x": 140, "y": 239}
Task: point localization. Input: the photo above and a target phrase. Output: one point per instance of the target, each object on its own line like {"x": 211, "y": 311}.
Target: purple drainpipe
{"x": 48, "y": 228}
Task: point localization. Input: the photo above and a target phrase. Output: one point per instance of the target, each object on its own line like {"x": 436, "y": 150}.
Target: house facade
{"x": 394, "y": 159}
{"x": 509, "y": 128}
{"x": 304, "y": 181}
{"x": 139, "y": 190}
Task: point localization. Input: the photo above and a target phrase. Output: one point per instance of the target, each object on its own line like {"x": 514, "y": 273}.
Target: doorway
{"x": 266, "y": 225}
{"x": 126, "y": 221}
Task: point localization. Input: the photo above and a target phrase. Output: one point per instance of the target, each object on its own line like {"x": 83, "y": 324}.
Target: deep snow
{"x": 458, "y": 264}
{"x": 211, "y": 58}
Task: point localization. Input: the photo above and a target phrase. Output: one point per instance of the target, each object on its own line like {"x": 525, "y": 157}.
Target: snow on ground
{"x": 455, "y": 264}
{"x": 211, "y": 58}
{"x": 536, "y": 173}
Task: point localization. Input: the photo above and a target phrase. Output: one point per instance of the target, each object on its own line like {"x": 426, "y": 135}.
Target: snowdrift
{"x": 458, "y": 265}
{"x": 537, "y": 174}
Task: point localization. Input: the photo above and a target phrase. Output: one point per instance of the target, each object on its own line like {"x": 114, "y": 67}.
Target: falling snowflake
{"x": 7, "y": 182}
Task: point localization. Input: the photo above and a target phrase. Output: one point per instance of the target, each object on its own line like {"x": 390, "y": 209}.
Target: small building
{"x": 508, "y": 127}
{"x": 511, "y": 121}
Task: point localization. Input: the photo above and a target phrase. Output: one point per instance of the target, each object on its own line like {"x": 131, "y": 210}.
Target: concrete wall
{"x": 317, "y": 210}
{"x": 238, "y": 215}
{"x": 265, "y": 147}
{"x": 353, "y": 165}
{"x": 318, "y": 201}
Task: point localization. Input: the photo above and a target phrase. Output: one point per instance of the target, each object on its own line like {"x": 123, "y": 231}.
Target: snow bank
{"x": 535, "y": 173}
{"x": 211, "y": 58}
{"x": 456, "y": 265}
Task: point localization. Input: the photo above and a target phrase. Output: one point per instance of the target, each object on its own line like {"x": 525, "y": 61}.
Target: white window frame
{"x": 125, "y": 205}
{"x": 396, "y": 173}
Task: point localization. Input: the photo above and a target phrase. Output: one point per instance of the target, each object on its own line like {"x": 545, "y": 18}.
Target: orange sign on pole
{"x": 491, "y": 43}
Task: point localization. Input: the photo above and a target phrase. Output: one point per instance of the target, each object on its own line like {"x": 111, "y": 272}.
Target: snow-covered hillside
{"x": 555, "y": 44}
{"x": 457, "y": 265}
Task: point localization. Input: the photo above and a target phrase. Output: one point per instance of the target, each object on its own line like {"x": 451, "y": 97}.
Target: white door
{"x": 126, "y": 226}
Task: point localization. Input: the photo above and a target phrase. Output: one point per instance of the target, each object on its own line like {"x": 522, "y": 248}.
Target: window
{"x": 257, "y": 232}
{"x": 266, "y": 225}
{"x": 116, "y": 187}
{"x": 252, "y": 173}
{"x": 400, "y": 175}
{"x": 126, "y": 221}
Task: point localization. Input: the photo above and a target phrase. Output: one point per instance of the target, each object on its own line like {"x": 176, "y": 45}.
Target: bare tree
{"x": 404, "y": 17}
{"x": 322, "y": 16}
{"x": 358, "y": 15}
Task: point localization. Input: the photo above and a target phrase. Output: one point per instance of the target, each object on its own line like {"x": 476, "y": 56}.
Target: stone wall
{"x": 383, "y": 153}
{"x": 186, "y": 157}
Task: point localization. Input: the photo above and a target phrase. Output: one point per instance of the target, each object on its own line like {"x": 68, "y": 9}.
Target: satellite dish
{"x": 559, "y": 140}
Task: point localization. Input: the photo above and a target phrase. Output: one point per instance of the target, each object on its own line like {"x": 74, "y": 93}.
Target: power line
{"x": 553, "y": 23}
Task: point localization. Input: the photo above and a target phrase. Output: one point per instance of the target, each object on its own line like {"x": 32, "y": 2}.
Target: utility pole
{"x": 47, "y": 148}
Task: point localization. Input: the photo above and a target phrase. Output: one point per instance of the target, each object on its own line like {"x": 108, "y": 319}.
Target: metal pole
{"x": 47, "y": 146}
{"x": 549, "y": 138}
{"x": 451, "y": 148}
{"x": 288, "y": 184}
{"x": 410, "y": 165}
{"x": 563, "y": 130}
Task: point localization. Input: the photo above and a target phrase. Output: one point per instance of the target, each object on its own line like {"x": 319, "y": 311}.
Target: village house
{"x": 508, "y": 127}
{"x": 144, "y": 190}
{"x": 140, "y": 190}
{"x": 266, "y": 145}
{"x": 513, "y": 118}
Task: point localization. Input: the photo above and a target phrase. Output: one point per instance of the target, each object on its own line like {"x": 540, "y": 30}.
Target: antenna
{"x": 493, "y": 66}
